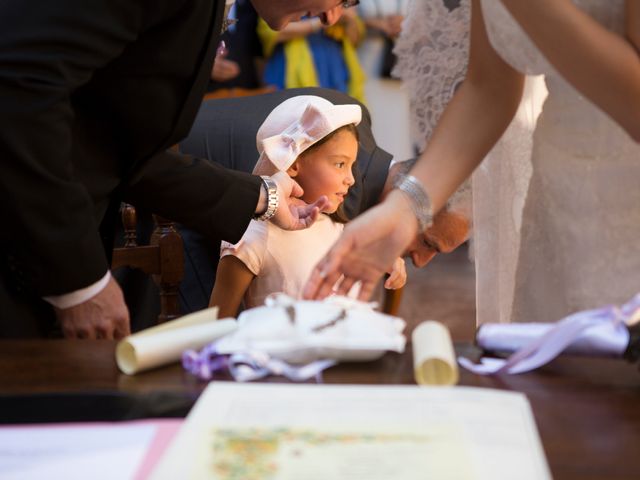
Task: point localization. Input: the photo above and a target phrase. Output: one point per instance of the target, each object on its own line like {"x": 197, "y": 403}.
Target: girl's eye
{"x": 340, "y": 164}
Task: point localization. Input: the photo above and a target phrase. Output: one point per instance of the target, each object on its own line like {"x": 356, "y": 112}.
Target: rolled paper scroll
{"x": 434, "y": 360}
{"x": 604, "y": 340}
{"x": 165, "y": 343}
{"x": 612, "y": 331}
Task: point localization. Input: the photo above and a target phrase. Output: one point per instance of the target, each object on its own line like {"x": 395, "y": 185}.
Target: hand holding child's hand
{"x": 398, "y": 275}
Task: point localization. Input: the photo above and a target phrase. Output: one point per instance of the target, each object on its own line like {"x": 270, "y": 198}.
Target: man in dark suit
{"x": 92, "y": 94}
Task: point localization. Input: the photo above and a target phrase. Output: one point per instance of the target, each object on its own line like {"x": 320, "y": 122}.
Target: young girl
{"x": 316, "y": 143}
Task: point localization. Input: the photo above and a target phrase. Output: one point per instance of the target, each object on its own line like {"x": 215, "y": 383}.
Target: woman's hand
{"x": 397, "y": 275}
{"x": 366, "y": 249}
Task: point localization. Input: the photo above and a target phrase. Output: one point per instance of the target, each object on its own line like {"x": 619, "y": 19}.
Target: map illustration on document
{"x": 287, "y": 453}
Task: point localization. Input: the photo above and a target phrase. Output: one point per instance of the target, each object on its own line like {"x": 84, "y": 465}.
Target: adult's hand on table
{"x": 103, "y": 316}
{"x": 293, "y": 213}
{"x": 366, "y": 249}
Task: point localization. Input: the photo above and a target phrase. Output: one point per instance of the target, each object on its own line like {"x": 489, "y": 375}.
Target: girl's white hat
{"x": 295, "y": 125}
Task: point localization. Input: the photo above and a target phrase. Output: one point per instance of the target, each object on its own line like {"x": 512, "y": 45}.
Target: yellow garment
{"x": 302, "y": 71}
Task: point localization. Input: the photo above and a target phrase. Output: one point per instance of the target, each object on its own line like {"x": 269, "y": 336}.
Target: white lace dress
{"x": 556, "y": 203}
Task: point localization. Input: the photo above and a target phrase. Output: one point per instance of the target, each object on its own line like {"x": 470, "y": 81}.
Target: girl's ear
{"x": 294, "y": 169}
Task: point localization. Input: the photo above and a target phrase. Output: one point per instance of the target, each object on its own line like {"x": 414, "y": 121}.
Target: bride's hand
{"x": 366, "y": 249}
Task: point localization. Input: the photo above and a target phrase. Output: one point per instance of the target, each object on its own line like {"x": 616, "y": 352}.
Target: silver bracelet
{"x": 419, "y": 198}
{"x": 272, "y": 198}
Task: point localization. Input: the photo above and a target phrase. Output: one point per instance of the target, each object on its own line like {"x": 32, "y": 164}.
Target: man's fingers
{"x": 104, "y": 330}
{"x": 122, "y": 326}
{"x": 120, "y": 333}
{"x": 86, "y": 333}
{"x": 296, "y": 189}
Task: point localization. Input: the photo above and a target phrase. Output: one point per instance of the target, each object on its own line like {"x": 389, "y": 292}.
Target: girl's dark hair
{"x": 339, "y": 215}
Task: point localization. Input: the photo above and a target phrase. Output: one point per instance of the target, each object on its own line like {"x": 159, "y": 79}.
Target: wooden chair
{"x": 163, "y": 259}
{"x": 391, "y": 301}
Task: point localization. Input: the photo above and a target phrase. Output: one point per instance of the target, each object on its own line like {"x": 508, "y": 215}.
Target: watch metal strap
{"x": 272, "y": 198}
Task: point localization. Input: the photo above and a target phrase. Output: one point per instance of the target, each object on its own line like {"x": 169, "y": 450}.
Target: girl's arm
{"x": 601, "y": 64}
{"x": 232, "y": 281}
{"x": 473, "y": 121}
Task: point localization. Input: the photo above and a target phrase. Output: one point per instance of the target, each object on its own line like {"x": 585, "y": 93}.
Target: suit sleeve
{"x": 200, "y": 194}
{"x": 48, "y": 49}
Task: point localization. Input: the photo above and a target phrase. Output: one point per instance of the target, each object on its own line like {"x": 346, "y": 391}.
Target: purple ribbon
{"x": 248, "y": 366}
{"x": 546, "y": 347}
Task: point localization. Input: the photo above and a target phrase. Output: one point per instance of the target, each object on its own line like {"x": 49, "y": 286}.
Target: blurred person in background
{"x": 309, "y": 54}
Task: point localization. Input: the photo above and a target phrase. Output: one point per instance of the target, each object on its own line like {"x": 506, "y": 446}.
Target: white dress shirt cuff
{"x": 77, "y": 297}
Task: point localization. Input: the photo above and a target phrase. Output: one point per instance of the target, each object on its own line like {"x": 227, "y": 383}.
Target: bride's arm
{"x": 601, "y": 64}
{"x": 474, "y": 120}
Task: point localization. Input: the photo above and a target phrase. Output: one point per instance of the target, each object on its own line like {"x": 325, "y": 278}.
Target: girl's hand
{"x": 397, "y": 275}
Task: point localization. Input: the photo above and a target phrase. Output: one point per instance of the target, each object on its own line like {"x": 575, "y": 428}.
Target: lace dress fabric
{"x": 432, "y": 62}
{"x": 555, "y": 209}
{"x": 579, "y": 242}
{"x": 432, "y": 54}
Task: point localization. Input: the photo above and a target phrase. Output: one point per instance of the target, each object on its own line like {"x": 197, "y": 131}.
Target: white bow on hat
{"x": 296, "y": 124}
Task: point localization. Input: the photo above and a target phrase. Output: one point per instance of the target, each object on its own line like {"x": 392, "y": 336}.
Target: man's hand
{"x": 104, "y": 316}
{"x": 293, "y": 213}
{"x": 450, "y": 229}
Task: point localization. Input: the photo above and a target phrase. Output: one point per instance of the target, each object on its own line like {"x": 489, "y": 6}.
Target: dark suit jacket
{"x": 225, "y": 130}
{"x": 92, "y": 93}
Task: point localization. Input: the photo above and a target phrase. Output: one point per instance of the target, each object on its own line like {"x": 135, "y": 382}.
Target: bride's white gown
{"x": 557, "y": 201}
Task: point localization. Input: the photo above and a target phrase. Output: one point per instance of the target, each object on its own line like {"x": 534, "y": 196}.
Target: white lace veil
{"x": 432, "y": 52}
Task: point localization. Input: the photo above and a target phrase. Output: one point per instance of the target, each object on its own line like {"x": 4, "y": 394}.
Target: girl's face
{"x": 326, "y": 169}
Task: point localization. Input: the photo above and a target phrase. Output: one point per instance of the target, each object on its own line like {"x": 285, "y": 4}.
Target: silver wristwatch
{"x": 272, "y": 198}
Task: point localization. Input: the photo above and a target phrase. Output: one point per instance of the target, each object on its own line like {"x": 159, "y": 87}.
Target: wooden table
{"x": 587, "y": 410}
